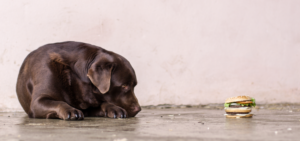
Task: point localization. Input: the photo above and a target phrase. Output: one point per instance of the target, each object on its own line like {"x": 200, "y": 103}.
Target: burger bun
{"x": 238, "y": 98}
{"x": 239, "y": 116}
{"x": 238, "y": 110}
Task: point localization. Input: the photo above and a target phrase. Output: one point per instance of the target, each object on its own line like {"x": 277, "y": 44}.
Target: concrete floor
{"x": 157, "y": 124}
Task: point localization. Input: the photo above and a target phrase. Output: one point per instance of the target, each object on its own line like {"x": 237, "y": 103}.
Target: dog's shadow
{"x": 104, "y": 125}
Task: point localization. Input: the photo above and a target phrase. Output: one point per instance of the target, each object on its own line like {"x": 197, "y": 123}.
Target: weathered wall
{"x": 184, "y": 52}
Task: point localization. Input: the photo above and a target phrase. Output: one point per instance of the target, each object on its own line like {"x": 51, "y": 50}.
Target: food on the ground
{"x": 239, "y": 107}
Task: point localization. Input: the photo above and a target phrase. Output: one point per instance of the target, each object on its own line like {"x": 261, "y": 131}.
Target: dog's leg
{"x": 106, "y": 110}
{"x": 44, "y": 107}
{"x": 113, "y": 111}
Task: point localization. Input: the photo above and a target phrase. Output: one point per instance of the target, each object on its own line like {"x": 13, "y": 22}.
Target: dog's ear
{"x": 100, "y": 76}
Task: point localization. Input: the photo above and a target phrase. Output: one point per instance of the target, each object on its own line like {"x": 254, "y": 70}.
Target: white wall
{"x": 183, "y": 51}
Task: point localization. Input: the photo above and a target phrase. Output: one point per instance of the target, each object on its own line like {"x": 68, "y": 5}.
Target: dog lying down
{"x": 73, "y": 80}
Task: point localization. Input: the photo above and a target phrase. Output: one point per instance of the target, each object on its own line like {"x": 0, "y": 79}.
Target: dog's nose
{"x": 137, "y": 109}
{"x": 134, "y": 111}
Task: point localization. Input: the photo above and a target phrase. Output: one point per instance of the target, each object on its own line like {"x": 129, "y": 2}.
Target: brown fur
{"x": 70, "y": 80}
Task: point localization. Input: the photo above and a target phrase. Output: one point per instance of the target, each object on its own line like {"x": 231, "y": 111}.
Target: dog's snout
{"x": 136, "y": 109}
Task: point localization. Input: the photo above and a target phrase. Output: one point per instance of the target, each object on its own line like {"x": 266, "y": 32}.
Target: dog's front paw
{"x": 114, "y": 111}
{"x": 70, "y": 114}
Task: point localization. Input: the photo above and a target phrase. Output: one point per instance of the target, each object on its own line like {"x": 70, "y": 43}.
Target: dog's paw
{"x": 71, "y": 114}
{"x": 113, "y": 111}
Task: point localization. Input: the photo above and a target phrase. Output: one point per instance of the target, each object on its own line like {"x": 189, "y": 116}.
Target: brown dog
{"x": 70, "y": 80}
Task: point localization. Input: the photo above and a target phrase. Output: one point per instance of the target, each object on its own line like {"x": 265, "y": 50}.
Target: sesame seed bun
{"x": 237, "y": 99}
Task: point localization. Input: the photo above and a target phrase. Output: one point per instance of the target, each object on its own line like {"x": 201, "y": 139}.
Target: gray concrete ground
{"x": 157, "y": 124}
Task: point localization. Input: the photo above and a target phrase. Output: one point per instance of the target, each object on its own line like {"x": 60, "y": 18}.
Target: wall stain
{"x": 2, "y": 56}
{"x": 12, "y": 96}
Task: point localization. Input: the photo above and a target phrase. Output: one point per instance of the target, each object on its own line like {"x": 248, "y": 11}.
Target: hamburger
{"x": 239, "y": 107}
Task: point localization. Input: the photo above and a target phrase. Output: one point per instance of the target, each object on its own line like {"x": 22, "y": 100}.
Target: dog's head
{"x": 115, "y": 78}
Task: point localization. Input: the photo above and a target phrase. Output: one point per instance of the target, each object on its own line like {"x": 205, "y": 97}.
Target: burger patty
{"x": 233, "y": 113}
{"x": 237, "y": 106}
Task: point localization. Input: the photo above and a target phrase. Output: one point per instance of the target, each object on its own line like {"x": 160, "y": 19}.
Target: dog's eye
{"x": 125, "y": 86}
